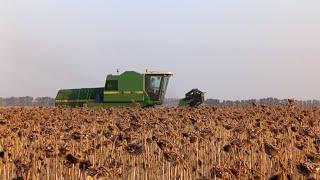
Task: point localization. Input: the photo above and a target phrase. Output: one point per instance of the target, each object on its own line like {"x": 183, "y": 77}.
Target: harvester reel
{"x": 194, "y": 98}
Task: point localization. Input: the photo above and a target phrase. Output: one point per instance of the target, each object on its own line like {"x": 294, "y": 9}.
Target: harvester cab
{"x": 156, "y": 84}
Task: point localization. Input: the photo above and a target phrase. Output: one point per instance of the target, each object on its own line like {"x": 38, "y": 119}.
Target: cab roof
{"x": 168, "y": 73}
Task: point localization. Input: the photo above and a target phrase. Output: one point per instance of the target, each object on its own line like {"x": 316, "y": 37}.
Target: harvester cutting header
{"x": 129, "y": 89}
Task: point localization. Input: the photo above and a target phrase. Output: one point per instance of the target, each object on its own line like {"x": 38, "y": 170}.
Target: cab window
{"x": 153, "y": 85}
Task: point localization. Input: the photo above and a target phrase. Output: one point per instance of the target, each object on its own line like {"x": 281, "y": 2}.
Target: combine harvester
{"x": 130, "y": 89}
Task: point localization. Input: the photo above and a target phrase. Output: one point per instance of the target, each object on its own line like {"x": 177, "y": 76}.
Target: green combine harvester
{"x": 129, "y": 89}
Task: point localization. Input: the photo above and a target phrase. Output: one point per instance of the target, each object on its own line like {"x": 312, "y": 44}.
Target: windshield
{"x": 153, "y": 85}
{"x": 156, "y": 86}
{"x": 164, "y": 87}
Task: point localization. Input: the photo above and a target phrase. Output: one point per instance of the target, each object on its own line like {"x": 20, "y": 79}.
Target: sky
{"x": 239, "y": 49}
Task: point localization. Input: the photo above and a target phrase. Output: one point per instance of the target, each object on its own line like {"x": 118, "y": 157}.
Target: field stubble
{"x": 258, "y": 142}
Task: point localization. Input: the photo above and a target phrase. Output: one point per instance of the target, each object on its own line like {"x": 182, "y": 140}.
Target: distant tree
{"x": 12, "y": 101}
{"x": 44, "y": 101}
{"x": 212, "y": 102}
{"x": 26, "y": 101}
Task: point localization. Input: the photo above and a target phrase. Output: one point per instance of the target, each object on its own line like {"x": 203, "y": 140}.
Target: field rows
{"x": 258, "y": 142}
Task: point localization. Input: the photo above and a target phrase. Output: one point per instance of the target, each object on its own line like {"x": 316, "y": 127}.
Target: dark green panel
{"x": 112, "y": 85}
{"x": 78, "y": 97}
{"x": 83, "y": 93}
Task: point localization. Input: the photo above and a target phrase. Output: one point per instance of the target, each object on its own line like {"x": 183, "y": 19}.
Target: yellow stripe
{"x": 111, "y": 92}
{"x": 123, "y": 92}
{"x": 71, "y": 101}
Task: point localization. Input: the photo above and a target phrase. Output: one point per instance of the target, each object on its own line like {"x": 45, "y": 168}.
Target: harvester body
{"x": 128, "y": 89}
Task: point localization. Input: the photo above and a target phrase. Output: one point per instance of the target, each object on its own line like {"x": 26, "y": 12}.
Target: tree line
{"x": 27, "y": 101}
{"x": 172, "y": 102}
{"x": 48, "y": 101}
{"x": 264, "y": 101}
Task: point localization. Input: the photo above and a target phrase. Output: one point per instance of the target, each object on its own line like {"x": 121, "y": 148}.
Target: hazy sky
{"x": 235, "y": 49}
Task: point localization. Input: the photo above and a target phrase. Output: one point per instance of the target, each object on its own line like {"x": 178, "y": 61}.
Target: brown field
{"x": 258, "y": 142}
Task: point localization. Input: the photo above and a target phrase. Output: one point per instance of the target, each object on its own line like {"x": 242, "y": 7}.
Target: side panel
{"x": 78, "y": 97}
{"x": 124, "y": 96}
{"x": 130, "y": 88}
{"x": 131, "y": 81}
{"x": 108, "y": 105}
